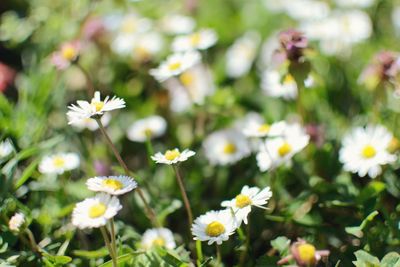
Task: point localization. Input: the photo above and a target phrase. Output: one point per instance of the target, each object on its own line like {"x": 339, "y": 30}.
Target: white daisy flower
{"x": 175, "y": 64}
{"x": 365, "y": 150}
{"x": 199, "y": 40}
{"x": 190, "y": 87}
{"x": 177, "y": 24}
{"x": 113, "y": 185}
{"x": 340, "y": 31}
{"x": 307, "y": 10}
{"x": 147, "y": 46}
{"x": 95, "y": 211}
{"x": 59, "y": 163}
{"x": 214, "y": 226}
{"x": 248, "y": 197}
{"x": 226, "y": 147}
{"x": 162, "y": 237}
{"x": 172, "y": 156}
{"x": 355, "y": 3}
{"x": 257, "y": 129}
{"x": 16, "y": 221}
{"x": 90, "y": 123}
{"x": 5, "y": 148}
{"x": 396, "y": 18}
{"x": 85, "y": 110}
{"x": 149, "y": 127}
{"x": 240, "y": 56}
{"x": 288, "y": 139}
{"x": 275, "y": 85}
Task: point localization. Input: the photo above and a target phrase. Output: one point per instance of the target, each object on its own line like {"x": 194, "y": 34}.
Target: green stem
{"x": 89, "y": 82}
{"x": 149, "y": 211}
{"x": 150, "y": 152}
{"x": 113, "y": 242}
{"x": 243, "y": 255}
{"x": 199, "y": 252}
{"x": 108, "y": 245}
{"x": 218, "y": 255}
{"x": 184, "y": 195}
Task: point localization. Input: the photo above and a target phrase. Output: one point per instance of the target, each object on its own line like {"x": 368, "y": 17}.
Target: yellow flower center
{"x": 174, "y": 66}
{"x": 58, "y": 162}
{"x": 113, "y": 183}
{"x": 142, "y": 52}
{"x": 172, "y": 154}
{"x": 264, "y": 128}
{"x": 288, "y": 79}
{"x": 98, "y": 105}
{"x": 148, "y": 132}
{"x": 195, "y": 38}
{"x": 129, "y": 25}
{"x": 68, "y": 53}
{"x": 306, "y": 253}
{"x": 215, "y": 229}
{"x": 97, "y": 210}
{"x": 242, "y": 201}
{"x": 229, "y": 148}
{"x": 159, "y": 241}
{"x": 368, "y": 152}
{"x": 186, "y": 78}
{"x": 284, "y": 149}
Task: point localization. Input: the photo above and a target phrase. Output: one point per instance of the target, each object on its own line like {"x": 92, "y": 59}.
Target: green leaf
{"x": 364, "y": 259}
{"x": 391, "y": 259}
{"x": 281, "y": 244}
{"x": 26, "y": 174}
{"x": 372, "y": 190}
{"x": 94, "y": 254}
{"x": 357, "y": 230}
{"x": 121, "y": 259}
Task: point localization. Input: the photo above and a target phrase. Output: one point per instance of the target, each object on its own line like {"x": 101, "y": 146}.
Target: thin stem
{"x": 150, "y": 151}
{"x": 184, "y": 195}
{"x": 218, "y": 254}
{"x": 243, "y": 255}
{"x": 199, "y": 252}
{"x": 108, "y": 245}
{"x": 89, "y": 83}
{"x": 32, "y": 241}
{"x": 149, "y": 211}
{"x": 113, "y": 242}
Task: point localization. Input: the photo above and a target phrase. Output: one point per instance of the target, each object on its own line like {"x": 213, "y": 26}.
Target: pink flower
{"x": 93, "y": 28}
{"x": 304, "y": 254}
{"x": 292, "y": 44}
{"x": 7, "y": 76}
{"x": 67, "y": 54}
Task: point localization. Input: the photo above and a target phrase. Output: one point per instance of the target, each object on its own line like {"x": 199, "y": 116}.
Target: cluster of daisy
{"x": 217, "y": 226}
{"x": 96, "y": 211}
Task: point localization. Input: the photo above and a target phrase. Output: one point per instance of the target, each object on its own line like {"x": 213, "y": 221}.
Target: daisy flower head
{"x": 149, "y": 127}
{"x": 256, "y": 129}
{"x": 240, "y": 56}
{"x": 288, "y": 140}
{"x": 175, "y": 65}
{"x": 199, "y": 40}
{"x": 5, "y": 148}
{"x": 214, "y": 226}
{"x": 90, "y": 123}
{"x": 225, "y": 147}
{"x": 16, "y": 221}
{"x": 59, "y": 163}
{"x": 161, "y": 237}
{"x": 190, "y": 87}
{"x": 275, "y": 85}
{"x": 248, "y": 197}
{"x": 172, "y": 156}
{"x": 365, "y": 150}
{"x": 67, "y": 54}
{"x": 113, "y": 185}
{"x": 147, "y": 46}
{"x": 177, "y": 24}
{"x": 96, "y": 107}
{"x": 95, "y": 211}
